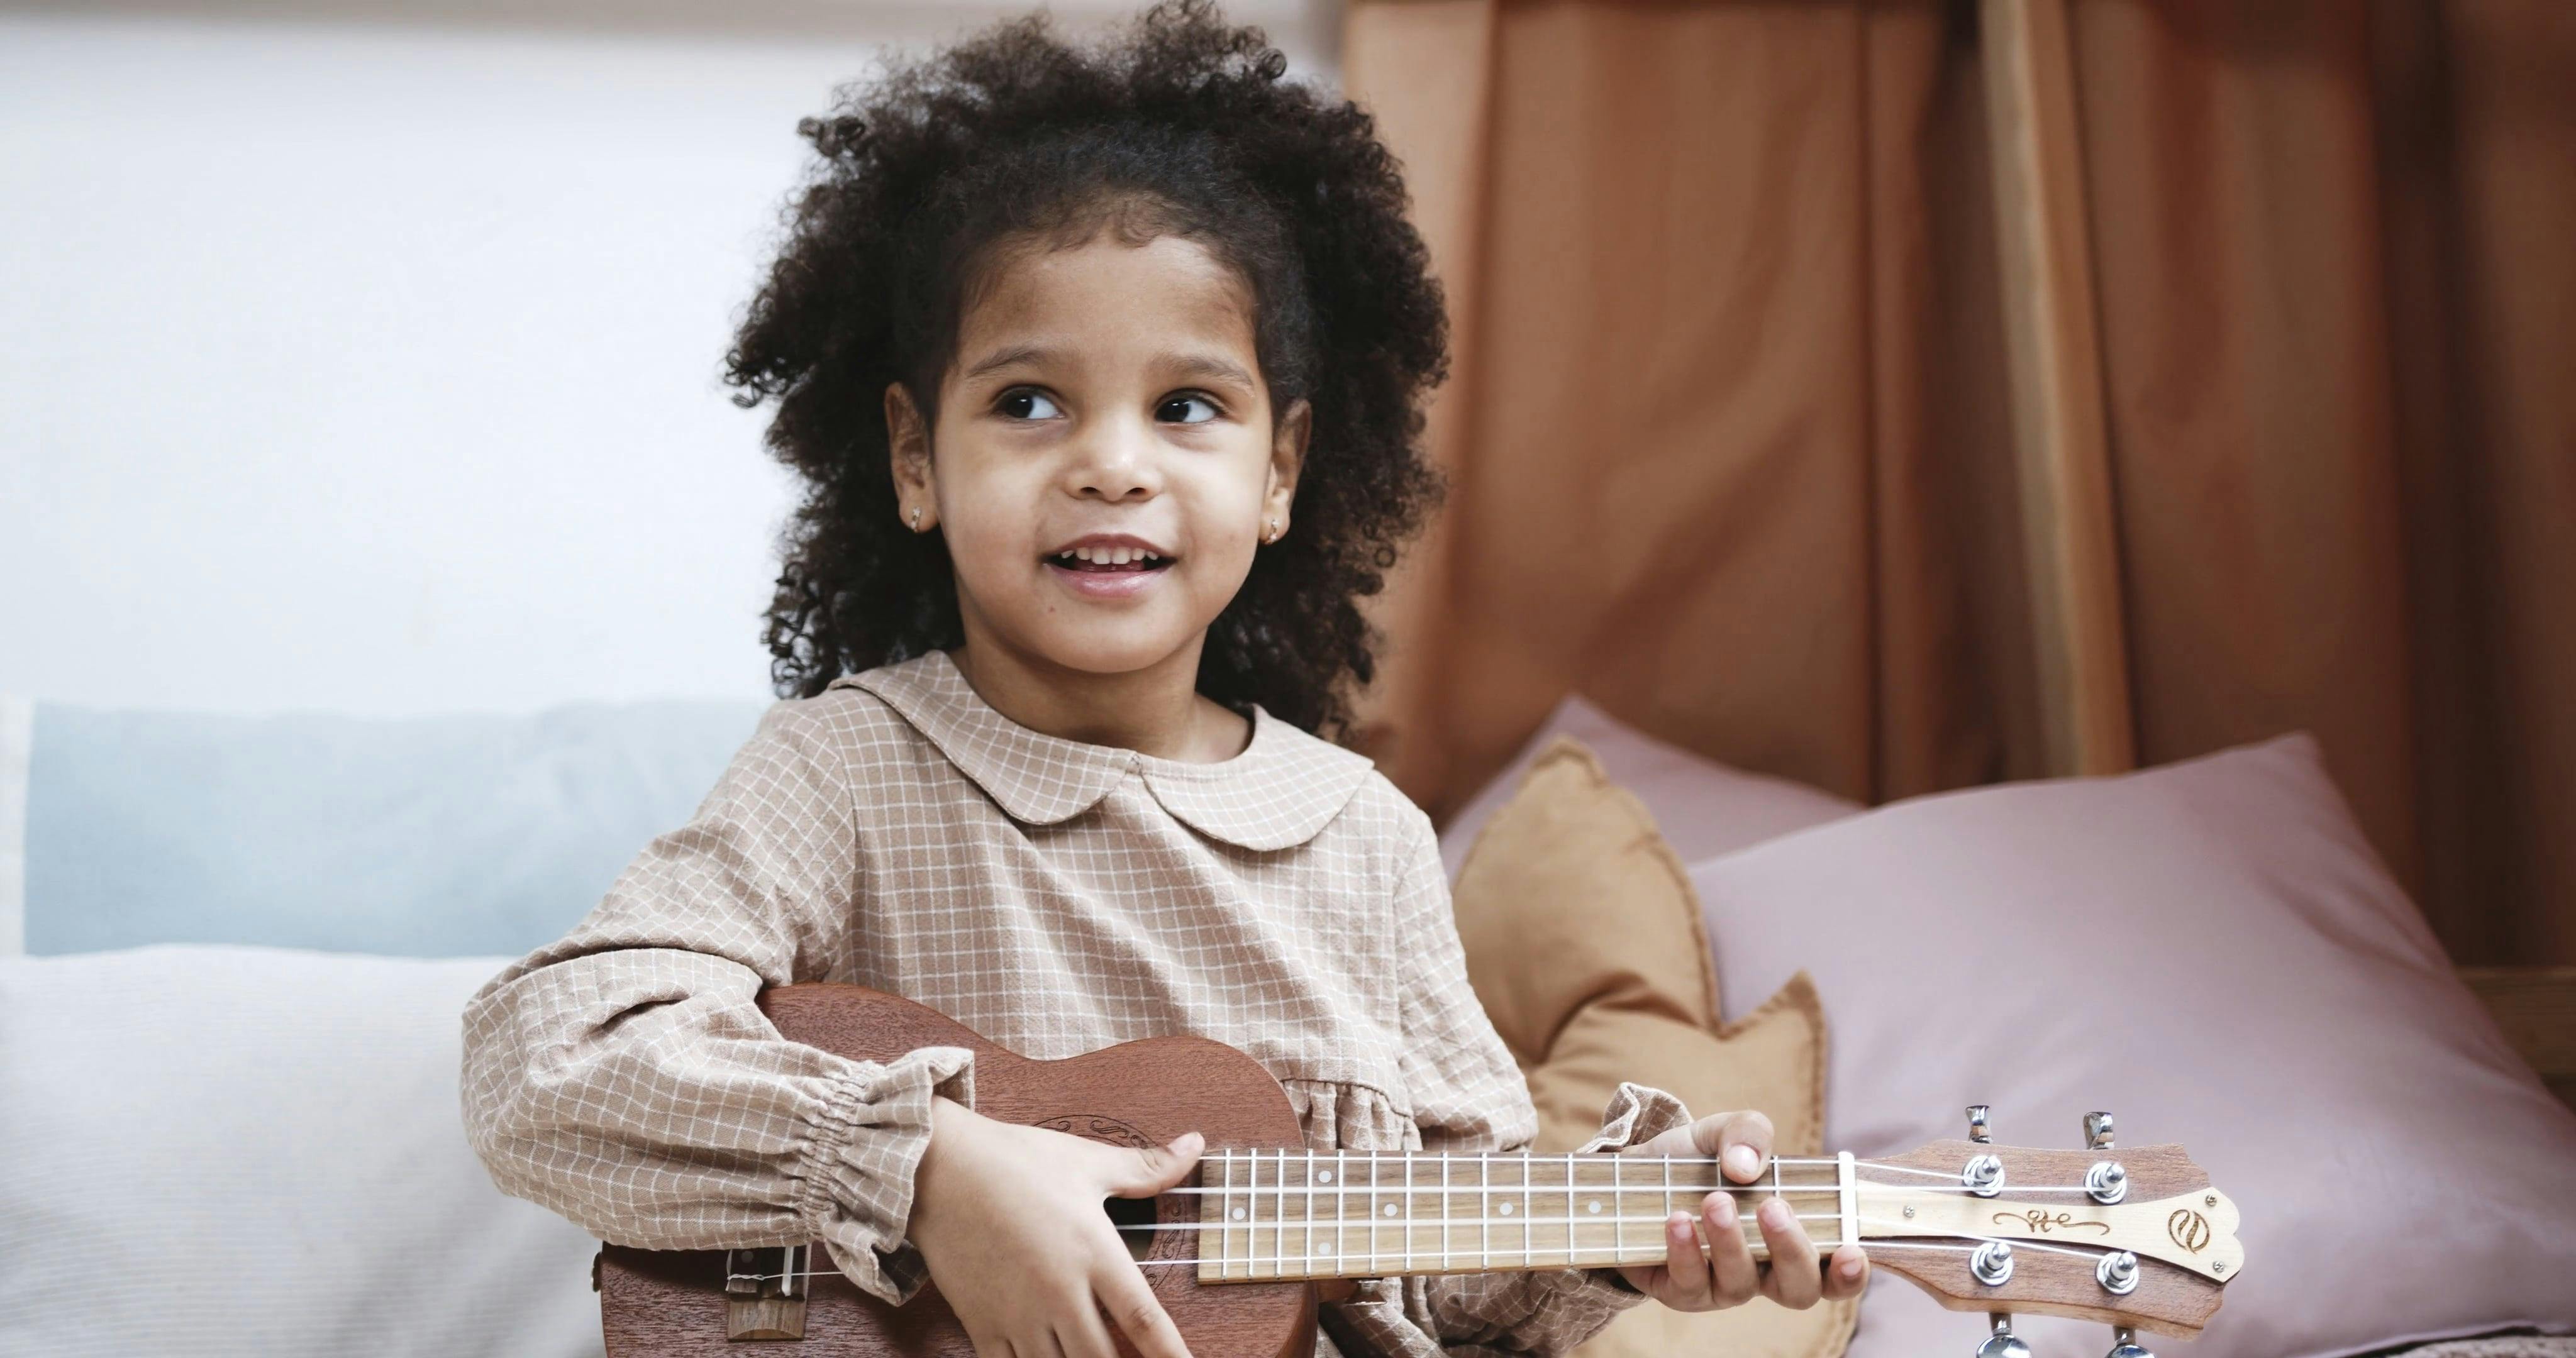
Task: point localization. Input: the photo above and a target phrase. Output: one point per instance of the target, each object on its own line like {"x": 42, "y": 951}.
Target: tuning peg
{"x": 2107, "y": 1181}
{"x": 2003, "y": 1343}
{"x": 1983, "y": 1174}
{"x": 2124, "y": 1344}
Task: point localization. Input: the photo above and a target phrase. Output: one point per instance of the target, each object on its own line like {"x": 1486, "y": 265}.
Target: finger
{"x": 1730, "y": 1260}
{"x": 1740, "y": 1141}
{"x": 1123, "y": 1293}
{"x": 1848, "y": 1274}
{"x": 1683, "y": 1279}
{"x": 1144, "y": 1173}
{"x": 1081, "y": 1335}
{"x": 1686, "y": 1281}
{"x": 1039, "y": 1345}
{"x": 1793, "y": 1281}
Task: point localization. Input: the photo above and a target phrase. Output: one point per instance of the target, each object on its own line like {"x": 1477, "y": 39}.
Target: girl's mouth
{"x": 1106, "y": 571}
{"x": 1108, "y": 561}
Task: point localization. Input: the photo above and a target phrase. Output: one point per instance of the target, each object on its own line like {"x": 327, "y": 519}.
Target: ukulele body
{"x": 672, "y": 1303}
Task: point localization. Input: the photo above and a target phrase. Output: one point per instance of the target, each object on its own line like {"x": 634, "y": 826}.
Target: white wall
{"x": 374, "y": 368}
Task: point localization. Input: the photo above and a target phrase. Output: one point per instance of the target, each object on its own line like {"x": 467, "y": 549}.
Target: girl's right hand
{"x": 1009, "y": 1220}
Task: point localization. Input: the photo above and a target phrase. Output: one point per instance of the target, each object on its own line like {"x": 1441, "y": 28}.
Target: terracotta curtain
{"x": 1730, "y": 423}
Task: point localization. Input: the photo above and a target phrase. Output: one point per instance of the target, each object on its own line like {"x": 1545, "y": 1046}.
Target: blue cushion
{"x": 445, "y": 836}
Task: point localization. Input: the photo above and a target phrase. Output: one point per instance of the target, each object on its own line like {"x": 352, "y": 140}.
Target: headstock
{"x": 2138, "y": 1239}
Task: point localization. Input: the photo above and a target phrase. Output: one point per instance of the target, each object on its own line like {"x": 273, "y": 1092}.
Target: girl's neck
{"x": 1156, "y": 710}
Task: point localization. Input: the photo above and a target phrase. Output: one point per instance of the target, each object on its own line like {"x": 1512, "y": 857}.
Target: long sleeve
{"x": 624, "y": 1077}
{"x": 1469, "y": 1096}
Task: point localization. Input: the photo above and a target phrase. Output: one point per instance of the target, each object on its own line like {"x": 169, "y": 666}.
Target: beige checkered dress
{"x": 1057, "y": 897}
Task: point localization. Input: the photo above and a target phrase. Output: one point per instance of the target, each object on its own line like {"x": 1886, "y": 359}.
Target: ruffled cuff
{"x": 864, "y": 1142}
{"x": 1636, "y": 1115}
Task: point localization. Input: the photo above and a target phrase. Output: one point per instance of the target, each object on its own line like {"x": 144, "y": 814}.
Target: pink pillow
{"x": 2212, "y": 952}
{"x": 1702, "y": 807}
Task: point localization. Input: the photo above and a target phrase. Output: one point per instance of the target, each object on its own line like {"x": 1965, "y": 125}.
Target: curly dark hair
{"x": 1178, "y": 125}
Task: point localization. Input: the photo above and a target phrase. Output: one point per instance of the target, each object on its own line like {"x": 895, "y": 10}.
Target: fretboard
{"x": 1296, "y": 1214}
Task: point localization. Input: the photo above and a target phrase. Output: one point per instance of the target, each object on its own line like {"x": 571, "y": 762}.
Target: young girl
{"x": 1101, "y": 367}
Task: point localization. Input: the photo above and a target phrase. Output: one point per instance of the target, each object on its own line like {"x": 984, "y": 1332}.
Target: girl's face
{"x": 1105, "y": 463}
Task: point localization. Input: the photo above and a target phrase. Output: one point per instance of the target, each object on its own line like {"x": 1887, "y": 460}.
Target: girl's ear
{"x": 1287, "y": 458}
{"x": 916, "y": 495}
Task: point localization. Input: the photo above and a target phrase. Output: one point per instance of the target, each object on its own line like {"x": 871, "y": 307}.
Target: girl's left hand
{"x": 1726, "y": 1275}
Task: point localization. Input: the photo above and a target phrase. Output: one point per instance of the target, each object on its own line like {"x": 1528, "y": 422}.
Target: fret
{"x": 1408, "y": 1212}
{"x": 1444, "y": 1213}
{"x": 1569, "y": 1209}
{"x": 1528, "y": 1230}
{"x": 1370, "y": 1207}
{"x": 1224, "y": 1218}
{"x": 1485, "y": 1210}
{"x": 1666, "y": 1213}
{"x": 1245, "y": 1211}
{"x": 1305, "y": 1212}
{"x": 1279, "y": 1227}
{"x": 1619, "y": 1215}
{"x": 1340, "y": 1212}
{"x": 1252, "y": 1251}
{"x": 1846, "y": 1199}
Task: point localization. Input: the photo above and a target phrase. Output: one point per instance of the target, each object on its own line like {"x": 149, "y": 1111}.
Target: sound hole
{"x": 1134, "y": 1218}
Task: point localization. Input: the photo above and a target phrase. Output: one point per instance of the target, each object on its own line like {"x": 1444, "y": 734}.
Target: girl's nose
{"x": 1118, "y": 460}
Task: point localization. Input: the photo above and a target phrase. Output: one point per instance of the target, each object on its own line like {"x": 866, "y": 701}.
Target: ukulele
{"x": 1239, "y": 1254}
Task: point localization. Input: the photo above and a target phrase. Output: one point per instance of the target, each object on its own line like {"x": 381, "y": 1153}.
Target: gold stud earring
{"x": 916, "y": 518}
{"x": 1274, "y": 531}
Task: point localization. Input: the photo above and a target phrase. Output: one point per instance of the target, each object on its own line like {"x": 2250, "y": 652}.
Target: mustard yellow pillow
{"x": 1584, "y": 944}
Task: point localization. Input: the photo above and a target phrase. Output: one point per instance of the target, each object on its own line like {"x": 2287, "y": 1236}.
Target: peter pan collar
{"x": 1282, "y": 790}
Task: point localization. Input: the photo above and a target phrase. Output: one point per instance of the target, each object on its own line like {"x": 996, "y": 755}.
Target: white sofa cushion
{"x": 215, "y": 1150}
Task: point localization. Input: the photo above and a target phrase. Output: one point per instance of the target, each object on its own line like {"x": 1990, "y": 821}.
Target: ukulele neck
{"x": 1267, "y": 1215}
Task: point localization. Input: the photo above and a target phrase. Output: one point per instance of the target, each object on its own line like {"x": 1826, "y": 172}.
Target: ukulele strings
{"x": 1756, "y": 1189}
{"x": 1278, "y": 1260}
{"x": 1775, "y": 1188}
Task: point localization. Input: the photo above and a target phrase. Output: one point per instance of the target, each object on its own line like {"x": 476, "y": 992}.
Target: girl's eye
{"x": 1027, "y": 404}
{"x": 1176, "y": 409}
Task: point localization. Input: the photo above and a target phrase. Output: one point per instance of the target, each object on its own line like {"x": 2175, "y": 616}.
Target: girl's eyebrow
{"x": 1017, "y": 353}
{"x": 1211, "y": 367}
{"x": 1208, "y": 366}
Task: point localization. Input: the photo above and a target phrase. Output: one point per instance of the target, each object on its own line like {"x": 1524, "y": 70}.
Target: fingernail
{"x": 1849, "y": 1268}
{"x": 1742, "y": 1162}
{"x": 1680, "y": 1226}
{"x": 1775, "y": 1214}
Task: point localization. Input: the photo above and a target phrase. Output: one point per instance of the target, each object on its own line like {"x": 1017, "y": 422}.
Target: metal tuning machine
{"x": 2003, "y": 1343}
{"x": 2107, "y": 1182}
{"x": 1983, "y": 1175}
{"x": 2124, "y": 1344}
{"x": 1992, "y": 1262}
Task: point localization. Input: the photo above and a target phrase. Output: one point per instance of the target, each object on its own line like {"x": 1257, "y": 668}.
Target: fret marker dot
{"x": 1323, "y": 1176}
{"x": 1325, "y": 1248}
{"x": 1388, "y": 1210}
{"x": 1238, "y": 1214}
{"x": 1505, "y": 1209}
{"x": 1593, "y": 1206}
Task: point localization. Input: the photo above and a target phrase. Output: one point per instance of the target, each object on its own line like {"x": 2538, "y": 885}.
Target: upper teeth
{"x": 1111, "y": 556}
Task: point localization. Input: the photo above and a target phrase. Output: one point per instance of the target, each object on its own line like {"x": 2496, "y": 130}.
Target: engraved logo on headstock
{"x": 2041, "y": 1222}
{"x": 2188, "y": 1229}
